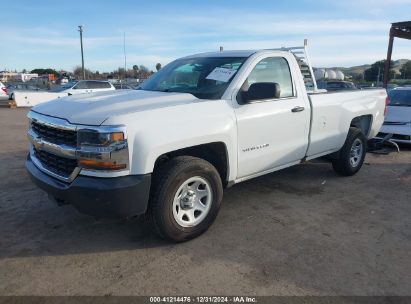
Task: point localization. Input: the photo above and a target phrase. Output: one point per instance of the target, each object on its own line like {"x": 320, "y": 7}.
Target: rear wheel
{"x": 350, "y": 158}
{"x": 186, "y": 198}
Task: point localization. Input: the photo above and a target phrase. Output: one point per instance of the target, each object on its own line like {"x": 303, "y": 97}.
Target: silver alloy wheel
{"x": 192, "y": 202}
{"x": 356, "y": 152}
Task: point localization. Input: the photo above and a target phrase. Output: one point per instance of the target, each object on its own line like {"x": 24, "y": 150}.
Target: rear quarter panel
{"x": 332, "y": 114}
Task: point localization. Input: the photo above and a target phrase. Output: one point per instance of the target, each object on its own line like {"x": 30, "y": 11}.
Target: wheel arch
{"x": 363, "y": 122}
{"x": 215, "y": 153}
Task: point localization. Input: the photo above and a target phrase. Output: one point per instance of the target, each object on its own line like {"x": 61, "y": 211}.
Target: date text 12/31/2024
{"x": 204, "y": 299}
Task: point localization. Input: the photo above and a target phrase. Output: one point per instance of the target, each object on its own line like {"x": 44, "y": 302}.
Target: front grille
{"x": 56, "y": 164}
{"x": 54, "y": 135}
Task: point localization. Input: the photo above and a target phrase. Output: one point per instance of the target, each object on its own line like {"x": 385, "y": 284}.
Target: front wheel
{"x": 186, "y": 198}
{"x": 350, "y": 158}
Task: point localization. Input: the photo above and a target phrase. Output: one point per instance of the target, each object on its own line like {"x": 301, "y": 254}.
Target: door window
{"x": 98, "y": 85}
{"x": 82, "y": 85}
{"x": 272, "y": 69}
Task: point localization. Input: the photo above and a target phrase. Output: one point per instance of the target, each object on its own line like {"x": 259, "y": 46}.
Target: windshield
{"x": 203, "y": 77}
{"x": 399, "y": 98}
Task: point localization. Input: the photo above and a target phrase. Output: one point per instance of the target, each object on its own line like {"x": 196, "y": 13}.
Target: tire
{"x": 178, "y": 188}
{"x": 351, "y": 156}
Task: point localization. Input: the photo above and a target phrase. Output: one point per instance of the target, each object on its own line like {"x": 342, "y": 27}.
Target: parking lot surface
{"x": 300, "y": 231}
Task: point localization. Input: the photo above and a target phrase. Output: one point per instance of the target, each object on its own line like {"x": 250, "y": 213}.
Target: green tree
{"x": 158, "y": 66}
{"x": 143, "y": 69}
{"x": 121, "y": 73}
{"x": 135, "y": 71}
{"x": 46, "y": 72}
{"x": 143, "y": 72}
{"x": 358, "y": 76}
{"x": 406, "y": 70}
{"x": 377, "y": 70}
{"x": 78, "y": 73}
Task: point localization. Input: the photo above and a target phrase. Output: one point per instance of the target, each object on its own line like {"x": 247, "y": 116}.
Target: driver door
{"x": 272, "y": 133}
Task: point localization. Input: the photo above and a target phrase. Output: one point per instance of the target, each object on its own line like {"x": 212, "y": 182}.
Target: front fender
{"x": 156, "y": 132}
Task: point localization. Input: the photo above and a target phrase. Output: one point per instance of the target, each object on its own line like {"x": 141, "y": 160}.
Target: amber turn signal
{"x": 117, "y": 136}
{"x": 100, "y": 165}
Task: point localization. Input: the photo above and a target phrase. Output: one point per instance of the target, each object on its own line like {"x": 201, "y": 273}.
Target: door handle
{"x": 297, "y": 109}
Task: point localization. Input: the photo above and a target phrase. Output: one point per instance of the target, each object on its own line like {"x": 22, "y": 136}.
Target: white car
{"x": 200, "y": 124}
{"x": 12, "y": 88}
{"x": 3, "y": 90}
{"x": 398, "y": 119}
{"x": 85, "y": 86}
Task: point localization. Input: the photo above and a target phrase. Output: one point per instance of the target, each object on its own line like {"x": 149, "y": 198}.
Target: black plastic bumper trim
{"x": 113, "y": 197}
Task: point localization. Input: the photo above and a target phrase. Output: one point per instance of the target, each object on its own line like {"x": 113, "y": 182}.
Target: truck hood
{"x": 95, "y": 108}
{"x": 398, "y": 114}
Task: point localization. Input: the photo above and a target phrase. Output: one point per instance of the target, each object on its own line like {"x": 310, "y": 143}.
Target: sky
{"x": 42, "y": 34}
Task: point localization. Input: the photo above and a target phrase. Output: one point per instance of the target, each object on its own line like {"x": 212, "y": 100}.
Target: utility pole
{"x": 80, "y": 29}
{"x": 125, "y": 57}
{"x": 378, "y": 77}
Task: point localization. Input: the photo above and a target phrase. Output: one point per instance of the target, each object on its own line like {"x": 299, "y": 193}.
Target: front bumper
{"x": 102, "y": 197}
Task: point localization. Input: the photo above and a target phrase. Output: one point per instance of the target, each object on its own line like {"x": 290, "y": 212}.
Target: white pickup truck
{"x": 202, "y": 123}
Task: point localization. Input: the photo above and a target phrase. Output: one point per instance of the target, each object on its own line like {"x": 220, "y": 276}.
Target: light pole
{"x": 125, "y": 57}
{"x": 378, "y": 77}
{"x": 80, "y": 29}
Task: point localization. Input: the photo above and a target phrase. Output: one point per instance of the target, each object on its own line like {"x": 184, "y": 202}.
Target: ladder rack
{"x": 303, "y": 59}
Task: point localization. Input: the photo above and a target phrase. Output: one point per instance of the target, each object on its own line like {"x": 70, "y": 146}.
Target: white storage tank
{"x": 339, "y": 75}
{"x": 319, "y": 74}
{"x": 331, "y": 74}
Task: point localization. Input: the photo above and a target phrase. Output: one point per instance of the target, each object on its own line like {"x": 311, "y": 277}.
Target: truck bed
{"x": 329, "y": 123}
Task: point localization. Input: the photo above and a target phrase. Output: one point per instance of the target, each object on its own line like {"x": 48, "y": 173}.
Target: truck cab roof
{"x": 239, "y": 53}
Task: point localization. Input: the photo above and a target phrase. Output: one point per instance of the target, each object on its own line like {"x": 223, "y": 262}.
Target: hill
{"x": 361, "y": 68}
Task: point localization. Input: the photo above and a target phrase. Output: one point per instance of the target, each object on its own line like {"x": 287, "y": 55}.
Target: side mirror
{"x": 263, "y": 90}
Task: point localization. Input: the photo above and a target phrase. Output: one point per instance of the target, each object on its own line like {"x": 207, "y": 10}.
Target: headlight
{"x": 88, "y": 137}
{"x": 103, "y": 148}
